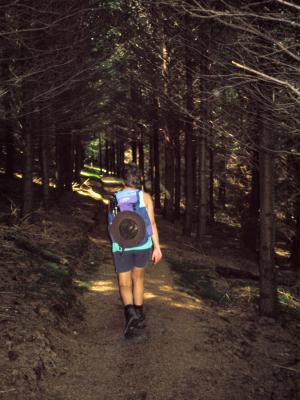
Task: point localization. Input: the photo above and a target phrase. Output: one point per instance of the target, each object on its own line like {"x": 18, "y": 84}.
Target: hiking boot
{"x": 131, "y": 320}
{"x": 141, "y": 317}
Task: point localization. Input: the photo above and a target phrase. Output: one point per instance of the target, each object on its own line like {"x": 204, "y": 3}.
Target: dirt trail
{"x": 189, "y": 349}
{"x": 169, "y": 360}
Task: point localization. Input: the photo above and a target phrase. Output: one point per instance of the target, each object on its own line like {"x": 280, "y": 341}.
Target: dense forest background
{"x": 203, "y": 95}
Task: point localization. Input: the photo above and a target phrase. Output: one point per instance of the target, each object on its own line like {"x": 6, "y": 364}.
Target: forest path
{"x": 175, "y": 357}
{"x": 191, "y": 349}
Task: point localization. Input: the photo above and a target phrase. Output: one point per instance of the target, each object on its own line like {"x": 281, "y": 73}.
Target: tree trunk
{"x": 156, "y": 155}
{"x": 59, "y": 164}
{"x": 10, "y": 148}
{"x": 113, "y": 156}
{"x": 295, "y": 251}
{"x": 250, "y": 224}
{"x": 78, "y": 158}
{"x": 27, "y": 193}
{"x": 8, "y": 125}
{"x": 134, "y": 152}
{"x": 69, "y": 161}
{"x": 169, "y": 179}
{"x": 222, "y": 182}
{"x": 151, "y": 165}
{"x": 294, "y": 168}
{"x": 44, "y": 163}
{"x": 100, "y": 152}
{"x": 177, "y": 173}
{"x": 64, "y": 162}
{"x": 142, "y": 156}
{"x": 120, "y": 156}
{"x": 189, "y": 151}
{"x": 211, "y": 186}
{"x": 268, "y": 297}
{"x": 202, "y": 207}
{"x": 106, "y": 156}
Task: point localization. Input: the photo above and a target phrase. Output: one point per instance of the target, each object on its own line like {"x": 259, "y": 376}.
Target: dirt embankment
{"x": 39, "y": 304}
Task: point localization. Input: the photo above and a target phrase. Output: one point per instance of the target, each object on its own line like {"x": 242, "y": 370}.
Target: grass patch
{"x": 245, "y": 292}
{"x": 286, "y": 298}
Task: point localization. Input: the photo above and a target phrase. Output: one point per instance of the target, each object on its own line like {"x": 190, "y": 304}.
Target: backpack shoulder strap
{"x": 113, "y": 204}
{"x": 141, "y": 201}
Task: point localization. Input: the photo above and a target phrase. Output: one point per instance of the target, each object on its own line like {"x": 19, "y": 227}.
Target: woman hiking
{"x": 134, "y": 242}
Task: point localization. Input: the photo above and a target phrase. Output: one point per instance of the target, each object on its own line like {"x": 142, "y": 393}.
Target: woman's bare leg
{"x": 138, "y": 286}
{"x": 125, "y": 287}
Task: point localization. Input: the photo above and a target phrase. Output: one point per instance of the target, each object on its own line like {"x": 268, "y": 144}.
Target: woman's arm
{"x": 156, "y": 255}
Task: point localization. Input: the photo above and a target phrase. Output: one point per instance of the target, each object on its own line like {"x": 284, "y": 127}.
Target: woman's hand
{"x": 156, "y": 255}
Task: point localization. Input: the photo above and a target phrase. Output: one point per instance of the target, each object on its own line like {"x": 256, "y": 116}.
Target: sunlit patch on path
{"x": 104, "y": 287}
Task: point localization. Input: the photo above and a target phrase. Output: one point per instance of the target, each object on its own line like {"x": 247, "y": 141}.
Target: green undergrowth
{"x": 200, "y": 280}
{"x": 287, "y": 298}
{"x": 83, "y": 284}
{"x": 90, "y": 174}
{"x": 93, "y": 168}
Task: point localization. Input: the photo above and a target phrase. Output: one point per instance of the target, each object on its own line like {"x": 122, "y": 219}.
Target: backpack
{"x": 128, "y": 220}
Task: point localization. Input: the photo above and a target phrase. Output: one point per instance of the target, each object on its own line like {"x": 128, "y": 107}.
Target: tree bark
{"x": 100, "y": 152}
{"x": 106, "y": 159}
{"x": 44, "y": 163}
{"x": 156, "y": 155}
{"x": 294, "y": 167}
{"x": 177, "y": 195}
{"x": 169, "y": 179}
{"x": 211, "y": 186}
{"x": 268, "y": 296}
{"x": 8, "y": 125}
{"x": 189, "y": 173}
{"x": 27, "y": 192}
{"x": 64, "y": 161}
{"x": 142, "y": 155}
{"x": 151, "y": 164}
{"x": 295, "y": 253}
{"x": 112, "y": 156}
{"x": 222, "y": 182}
{"x": 69, "y": 161}
{"x": 251, "y": 223}
{"x": 202, "y": 207}
{"x": 120, "y": 156}
{"x": 134, "y": 151}
{"x": 78, "y": 158}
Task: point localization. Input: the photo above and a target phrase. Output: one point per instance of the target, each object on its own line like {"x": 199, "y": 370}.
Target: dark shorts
{"x": 127, "y": 260}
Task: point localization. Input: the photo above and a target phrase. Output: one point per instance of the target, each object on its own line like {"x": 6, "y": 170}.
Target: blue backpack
{"x": 128, "y": 220}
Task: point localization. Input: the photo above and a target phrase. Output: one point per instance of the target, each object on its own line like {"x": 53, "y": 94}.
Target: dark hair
{"x": 132, "y": 175}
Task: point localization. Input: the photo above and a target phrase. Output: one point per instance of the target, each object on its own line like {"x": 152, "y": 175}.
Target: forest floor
{"x": 203, "y": 340}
